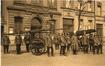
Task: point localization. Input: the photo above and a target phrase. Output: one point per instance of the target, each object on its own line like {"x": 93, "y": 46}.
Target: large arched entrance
{"x": 36, "y": 23}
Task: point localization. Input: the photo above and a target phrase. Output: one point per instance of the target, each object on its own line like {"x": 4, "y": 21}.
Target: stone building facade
{"x": 24, "y": 15}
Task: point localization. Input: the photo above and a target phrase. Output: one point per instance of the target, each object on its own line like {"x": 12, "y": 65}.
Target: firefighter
{"x": 91, "y": 42}
{"x": 18, "y": 41}
{"x": 68, "y": 38}
{"x": 49, "y": 43}
{"x": 100, "y": 46}
{"x": 96, "y": 44}
{"x": 85, "y": 43}
{"x": 27, "y": 41}
{"x": 6, "y": 43}
{"x": 74, "y": 44}
{"x": 56, "y": 41}
{"x": 63, "y": 45}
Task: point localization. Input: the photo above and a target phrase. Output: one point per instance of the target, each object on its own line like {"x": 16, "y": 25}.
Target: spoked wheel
{"x": 37, "y": 51}
{"x": 33, "y": 51}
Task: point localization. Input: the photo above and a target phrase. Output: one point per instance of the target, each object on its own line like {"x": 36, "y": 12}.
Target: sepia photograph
{"x": 52, "y": 33}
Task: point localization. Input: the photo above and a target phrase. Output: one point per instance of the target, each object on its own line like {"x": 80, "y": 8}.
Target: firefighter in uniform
{"x": 63, "y": 45}
{"x": 18, "y": 41}
{"x": 49, "y": 44}
{"x": 100, "y": 46}
{"x": 91, "y": 42}
{"x": 27, "y": 41}
{"x": 85, "y": 43}
{"x": 6, "y": 42}
{"x": 68, "y": 38}
{"x": 56, "y": 41}
{"x": 74, "y": 44}
{"x": 96, "y": 44}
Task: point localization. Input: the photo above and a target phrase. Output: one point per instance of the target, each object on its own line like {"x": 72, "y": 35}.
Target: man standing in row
{"x": 18, "y": 41}
{"x": 85, "y": 43}
{"x": 68, "y": 38}
{"x": 74, "y": 44}
{"x": 6, "y": 42}
{"x": 63, "y": 45}
{"x": 49, "y": 44}
{"x": 27, "y": 41}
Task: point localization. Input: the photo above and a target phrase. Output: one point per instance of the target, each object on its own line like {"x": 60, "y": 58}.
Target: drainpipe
{"x": 94, "y": 17}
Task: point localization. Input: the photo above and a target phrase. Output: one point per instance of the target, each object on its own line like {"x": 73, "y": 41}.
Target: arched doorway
{"x": 36, "y": 24}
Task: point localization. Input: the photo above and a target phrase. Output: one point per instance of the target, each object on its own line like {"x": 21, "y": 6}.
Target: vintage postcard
{"x": 52, "y": 33}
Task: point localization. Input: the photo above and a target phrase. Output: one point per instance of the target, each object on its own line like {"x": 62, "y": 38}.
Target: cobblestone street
{"x": 27, "y": 59}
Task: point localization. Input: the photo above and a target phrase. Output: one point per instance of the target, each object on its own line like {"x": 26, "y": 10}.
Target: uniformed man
{"x": 68, "y": 38}
{"x": 63, "y": 45}
{"x": 74, "y": 44}
{"x": 91, "y": 42}
{"x": 18, "y": 41}
{"x": 49, "y": 44}
{"x": 56, "y": 41}
{"x": 6, "y": 43}
{"x": 100, "y": 46}
{"x": 96, "y": 44}
{"x": 85, "y": 43}
{"x": 27, "y": 41}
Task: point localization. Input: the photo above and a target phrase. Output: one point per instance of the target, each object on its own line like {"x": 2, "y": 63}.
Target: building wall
{"x": 64, "y": 12}
{"x": 100, "y": 18}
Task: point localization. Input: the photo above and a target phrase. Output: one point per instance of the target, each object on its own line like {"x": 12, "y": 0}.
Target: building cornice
{"x": 38, "y": 10}
{"x": 72, "y": 9}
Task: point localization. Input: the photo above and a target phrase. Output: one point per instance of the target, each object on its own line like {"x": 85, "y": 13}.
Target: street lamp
{"x": 52, "y": 23}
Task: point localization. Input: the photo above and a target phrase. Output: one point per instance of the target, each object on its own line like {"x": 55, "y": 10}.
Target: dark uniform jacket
{"x": 18, "y": 39}
{"x": 63, "y": 41}
{"x": 96, "y": 41}
{"x": 5, "y": 40}
{"x": 84, "y": 40}
{"x": 49, "y": 41}
{"x": 74, "y": 41}
{"x": 27, "y": 39}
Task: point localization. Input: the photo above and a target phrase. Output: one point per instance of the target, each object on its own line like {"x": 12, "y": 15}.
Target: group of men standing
{"x": 18, "y": 42}
{"x": 63, "y": 42}
{"x": 66, "y": 42}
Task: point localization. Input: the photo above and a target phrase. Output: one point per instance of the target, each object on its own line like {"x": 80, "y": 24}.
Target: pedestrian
{"x": 27, "y": 41}
{"x": 18, "y": 41}
{"x": 56, "y": 41}
{"x": 49, "y": 44}
{"x": 6, "y": 43}
{"x": 96, "y": 44}
{"x": 100, "y": 46}
{"x": 74, "y": 44}
{"x": 91, "y": 42}
{"x": 63, "y": 45}
{"x": 85, "y": 43}
{"x": 68, "y": 38}
{"x": 80, "y": 43}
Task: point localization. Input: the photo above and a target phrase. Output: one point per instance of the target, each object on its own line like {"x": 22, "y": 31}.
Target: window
{"x": 90, "y": 5}
{"x": 37, "y": 2}
{"x": 68, "y": 25}
{"x": 68, "y": 3}
{"x": 90, "y": 24}
{"x": 81, "y": 24}
{"x": 18, "y": 24}
{"x": 52, "y": 3}
{"x": 99, "y": 28}
{"x": 99, "y": 9}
